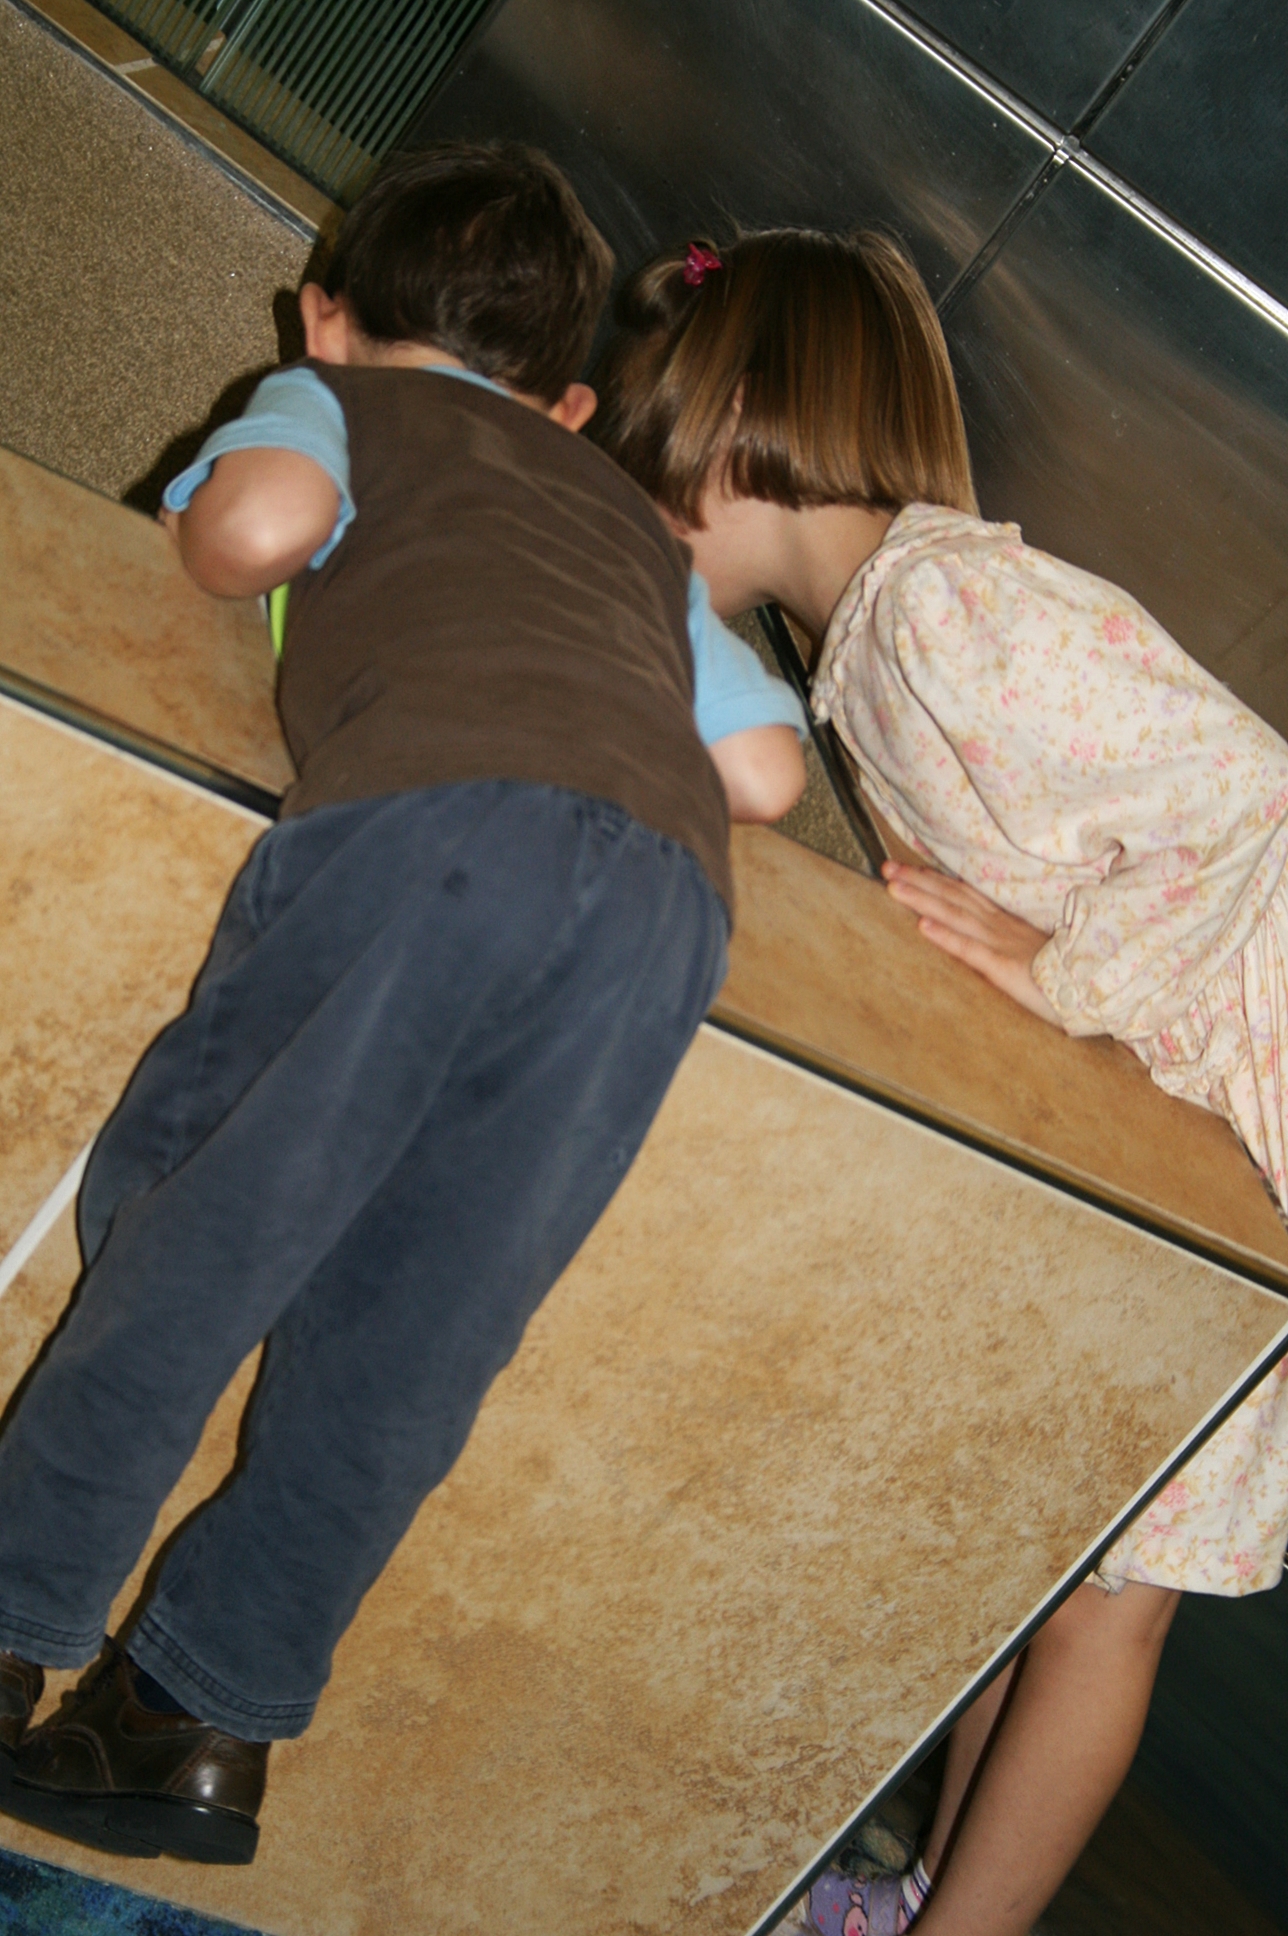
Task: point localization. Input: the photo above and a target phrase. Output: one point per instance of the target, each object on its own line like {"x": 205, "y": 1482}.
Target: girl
{"x": 1107, "y": 829}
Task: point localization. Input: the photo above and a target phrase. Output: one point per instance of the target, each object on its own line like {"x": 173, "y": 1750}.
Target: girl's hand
{"x": 966, "y": 924}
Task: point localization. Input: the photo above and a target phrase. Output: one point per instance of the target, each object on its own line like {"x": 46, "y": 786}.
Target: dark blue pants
{"x": 428, "y": 1040}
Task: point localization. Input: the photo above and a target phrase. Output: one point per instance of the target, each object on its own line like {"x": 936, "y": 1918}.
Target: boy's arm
{"x": 750, "y": 722}
{"x": 258, "y": 520}
{"x": 266, "y": 494}
{"x": 763, "y": 770}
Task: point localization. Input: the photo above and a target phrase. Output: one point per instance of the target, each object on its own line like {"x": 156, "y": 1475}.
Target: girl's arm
{"x": 259, "y": 518}
{"x": 1037, "y": 730}
{"x": 973, "y": 929}
{"x": 763, "y": 770}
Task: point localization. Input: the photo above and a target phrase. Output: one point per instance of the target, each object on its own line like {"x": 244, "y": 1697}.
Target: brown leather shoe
{"x": 107, "y": 1771}
{"x": 21, "y": 1685}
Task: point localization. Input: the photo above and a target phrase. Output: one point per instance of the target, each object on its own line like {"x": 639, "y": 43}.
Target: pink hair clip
{"x": 698, "y": 264}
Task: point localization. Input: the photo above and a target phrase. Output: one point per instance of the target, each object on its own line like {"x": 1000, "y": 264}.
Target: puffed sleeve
{"x": 1049, "y": 743}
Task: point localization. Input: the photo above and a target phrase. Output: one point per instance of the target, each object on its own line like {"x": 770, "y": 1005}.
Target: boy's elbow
{"x": 227, "y": 554}
{"x": 772, "y": 796}
{"x": 256, "y": 521}
{"x": 763, "y": 771}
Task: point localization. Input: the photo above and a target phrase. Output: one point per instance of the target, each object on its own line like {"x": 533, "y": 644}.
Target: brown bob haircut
{"x": 808, "y": 369}
{"x": 482, "y": 251}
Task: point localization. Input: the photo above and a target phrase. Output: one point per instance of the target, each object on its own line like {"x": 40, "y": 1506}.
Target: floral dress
{"x": 1030, "y": 729}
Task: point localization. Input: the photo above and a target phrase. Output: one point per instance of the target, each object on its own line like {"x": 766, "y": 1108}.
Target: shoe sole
{"x": 144, "y": 1826}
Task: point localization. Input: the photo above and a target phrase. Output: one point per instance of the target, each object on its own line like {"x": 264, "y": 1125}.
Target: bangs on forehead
{"x": 807, "y": 369}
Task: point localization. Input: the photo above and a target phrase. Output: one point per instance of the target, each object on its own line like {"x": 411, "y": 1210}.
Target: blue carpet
{"x": 36, "y": 1900}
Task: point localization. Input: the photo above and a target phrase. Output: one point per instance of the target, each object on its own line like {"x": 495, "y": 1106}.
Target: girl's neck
{"x": 820, "y": 549}
{"x": 751, "y": 551}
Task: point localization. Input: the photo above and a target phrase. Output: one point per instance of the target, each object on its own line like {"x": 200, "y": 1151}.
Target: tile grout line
{"x": 44, "y": 1220}
{"x": 1248, "y": 1268}
{"x": 1069, "y": 1581}
{"x": 85, "y": 732}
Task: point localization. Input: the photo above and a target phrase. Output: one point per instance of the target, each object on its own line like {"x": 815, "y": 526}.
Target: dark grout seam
{"x": 1141, "y": 48}
{"x": 816, "y": 1062}
{"x": 1066, "y": 145}
{"x": 992, "y": 246}
{"x": 154, "y": 752}
{"x": 1064, "y": 1590}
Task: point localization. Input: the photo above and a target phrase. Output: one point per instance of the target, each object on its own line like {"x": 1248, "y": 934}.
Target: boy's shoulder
{"x": 400, "y": 414}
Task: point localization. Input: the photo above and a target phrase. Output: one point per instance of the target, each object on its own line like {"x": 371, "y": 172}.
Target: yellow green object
{"x": 277, "y": 616}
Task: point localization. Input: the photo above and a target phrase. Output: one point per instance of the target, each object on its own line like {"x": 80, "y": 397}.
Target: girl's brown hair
{"x": 807, "y": 369}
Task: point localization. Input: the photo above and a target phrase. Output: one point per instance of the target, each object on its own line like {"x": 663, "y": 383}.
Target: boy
{"x": 442, "y": 1005}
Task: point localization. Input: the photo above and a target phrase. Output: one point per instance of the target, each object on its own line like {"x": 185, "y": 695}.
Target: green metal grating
{"x": 329, "y": 85}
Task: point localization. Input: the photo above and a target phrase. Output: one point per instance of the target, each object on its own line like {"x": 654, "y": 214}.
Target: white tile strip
{"x": 44, "y": 1220}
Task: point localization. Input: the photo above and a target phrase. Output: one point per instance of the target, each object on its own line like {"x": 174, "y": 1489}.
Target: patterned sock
{"x": 916, "y": 1891}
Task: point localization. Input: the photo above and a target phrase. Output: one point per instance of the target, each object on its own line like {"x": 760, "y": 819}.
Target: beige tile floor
{"x": 98, "y": 609}
{"x": 826, "y": 965}
{"x": 652, "y": 1643}
{"x": 650, "y": 1646}
{"x": 111, "y": 877}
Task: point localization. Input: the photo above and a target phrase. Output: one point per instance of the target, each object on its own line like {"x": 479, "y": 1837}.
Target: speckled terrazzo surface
{"x": 136, "y": 279}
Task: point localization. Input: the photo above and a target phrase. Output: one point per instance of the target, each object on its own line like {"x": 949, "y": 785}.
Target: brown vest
{"x": 507, "y": 604}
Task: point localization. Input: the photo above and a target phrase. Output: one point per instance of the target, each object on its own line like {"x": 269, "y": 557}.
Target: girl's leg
{"x": 1036, "y": 1781}
{"x": 968, "y": 1746}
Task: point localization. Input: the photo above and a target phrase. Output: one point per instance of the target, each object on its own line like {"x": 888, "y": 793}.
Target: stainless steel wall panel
{"x": 1056, "y": 56}
{"x": 671, "y": 119}
{"x": 1202, "y": 128}
{"x": 1130, "y": 409}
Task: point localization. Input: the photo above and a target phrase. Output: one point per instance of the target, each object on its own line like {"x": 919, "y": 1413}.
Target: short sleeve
{"x": 732, "y": 691}
{"x": 290, "y": 410}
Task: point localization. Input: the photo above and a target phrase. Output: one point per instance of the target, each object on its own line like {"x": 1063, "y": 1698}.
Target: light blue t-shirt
{"x": 294, "y": 410}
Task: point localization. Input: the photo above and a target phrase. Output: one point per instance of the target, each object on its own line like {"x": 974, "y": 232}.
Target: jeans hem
{"x": 47, "y": 1646}
{"x": 208, "y": 1698}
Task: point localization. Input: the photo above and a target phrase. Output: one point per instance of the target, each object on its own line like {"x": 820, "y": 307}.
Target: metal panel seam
{"x": 1068, "y": 148}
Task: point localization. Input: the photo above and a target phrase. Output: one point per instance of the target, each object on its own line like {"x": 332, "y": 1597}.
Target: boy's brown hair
{"x": 483, "y": 251}
{"x": 807, "y": 368}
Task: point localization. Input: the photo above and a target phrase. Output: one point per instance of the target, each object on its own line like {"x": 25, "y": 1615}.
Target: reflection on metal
{"x": 1133, "y": 416}
{"x": 1239, "y": 285}
{"x": 1056, "y": 56}
{"x": 1126, "y": 386}
{"x": 329, "y": 85}
{"x": 1200, "y": 129}
{"x": 674, "y": 118}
